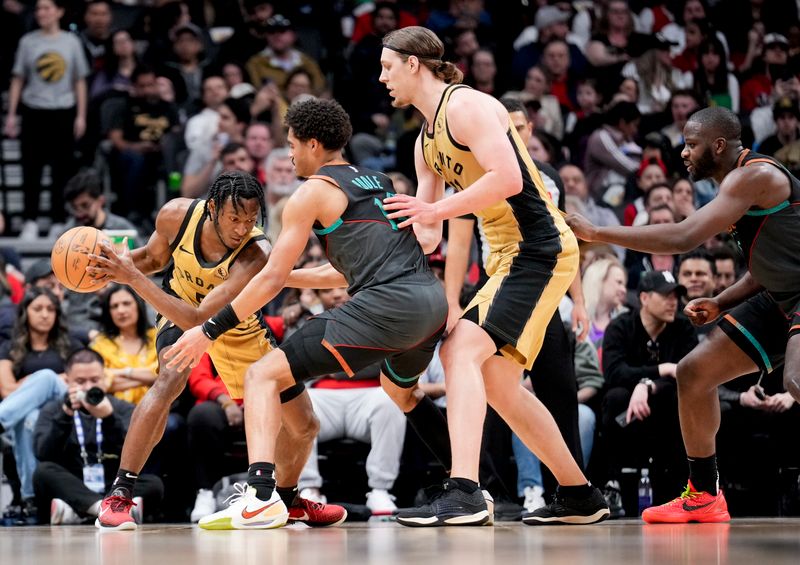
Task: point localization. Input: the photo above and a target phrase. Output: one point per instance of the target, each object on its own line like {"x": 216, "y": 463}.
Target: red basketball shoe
{"x": 316, "y": 514}
{"x": 115, "y": 514}
{"x": 690, "y": 506}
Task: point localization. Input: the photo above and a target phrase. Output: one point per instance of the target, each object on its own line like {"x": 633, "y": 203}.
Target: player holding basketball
{"x": 396, "y": 315}
{"x": 757, "y": 204}
{"x": 216, "y": 249}
{"x": 469, "y": 142}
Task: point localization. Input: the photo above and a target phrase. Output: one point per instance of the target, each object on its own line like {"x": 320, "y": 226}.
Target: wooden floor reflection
{"x": 754, "y": 542}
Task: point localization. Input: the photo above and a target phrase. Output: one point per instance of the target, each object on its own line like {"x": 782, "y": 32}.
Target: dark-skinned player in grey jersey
{"x": 758, "y": 318}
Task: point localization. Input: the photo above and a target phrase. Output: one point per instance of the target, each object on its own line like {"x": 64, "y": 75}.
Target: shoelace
{"x": 686, "y": 494}
{"x": 241, "y": 491}
{"x": 120, "y": 503}
{"x": 310, "y": 504}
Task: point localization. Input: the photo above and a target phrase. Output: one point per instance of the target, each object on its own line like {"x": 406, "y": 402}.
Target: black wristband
{"x": 224, "y": 320}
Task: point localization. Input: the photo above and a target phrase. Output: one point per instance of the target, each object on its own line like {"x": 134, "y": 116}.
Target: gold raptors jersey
{"x": 191, "y": 278}
{"x": 525, "y": 220}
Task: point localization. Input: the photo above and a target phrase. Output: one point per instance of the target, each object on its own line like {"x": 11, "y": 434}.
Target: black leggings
{"x": 47, "y": 138}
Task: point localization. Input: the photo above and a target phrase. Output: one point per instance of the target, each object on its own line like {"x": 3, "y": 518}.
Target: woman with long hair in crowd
{"x": 127, "y": 343}
{"x": 716, "y": 85}
{"x": 605, "y": 292}
{"x": 31, "y": 364}
{"x": 121, "y": 59}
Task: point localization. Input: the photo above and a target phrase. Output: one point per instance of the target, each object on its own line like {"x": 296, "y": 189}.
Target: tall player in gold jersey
{"x": 215, "y": 249}
{"x": 469, "y": 142}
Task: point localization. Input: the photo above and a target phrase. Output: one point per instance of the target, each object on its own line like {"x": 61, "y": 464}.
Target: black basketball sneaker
{"x": 449, "y": 505}
{"x": 568, "y": 510}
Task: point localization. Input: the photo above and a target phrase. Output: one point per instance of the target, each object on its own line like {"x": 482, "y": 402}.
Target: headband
{"x": 410, "y": 54}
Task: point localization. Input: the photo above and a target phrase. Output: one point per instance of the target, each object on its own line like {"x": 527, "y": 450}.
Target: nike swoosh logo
{"x": 128, "y": 475}
{"x": 182, "y": 248}
{"x": 689, "y": 508}
{"x": 103, "y": 511}
{"x": 251, "y": 514}
{"x": 304, "y": 517}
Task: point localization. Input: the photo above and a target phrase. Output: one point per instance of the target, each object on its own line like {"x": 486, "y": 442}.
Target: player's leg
{"x": 463, "y": 354}
{"x": 145, "y": 430}
{"x": 299, "y": 428}
{"x": 751, "y": 336}
{"x": 259, "y": 506}
{"x": 462, "y": 503}
{"x": 576, "y": 501}
{"x": 791, "y": 369}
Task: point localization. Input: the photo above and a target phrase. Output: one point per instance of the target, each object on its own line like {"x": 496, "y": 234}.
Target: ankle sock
{"x": 703, "y": 473}
{"x": 261, "y": 476}
{"x": 579, "y": 491}
{"x": 124, "y": 483}
{"x": 466, "y": 484}
{"x": 287, "y": 494}
{"x": 431, "y": 427}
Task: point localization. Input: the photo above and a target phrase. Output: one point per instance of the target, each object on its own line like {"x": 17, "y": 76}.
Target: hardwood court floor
{"x": 754, "y": 542}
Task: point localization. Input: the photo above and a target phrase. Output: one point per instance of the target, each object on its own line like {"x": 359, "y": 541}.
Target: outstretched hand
{"x": 188, "y": 350}
{"x": 701, "y": 311}
{"x": 410, "y": 210}
{"x": 583, "y": 228}
{"x": 112, "y": 266}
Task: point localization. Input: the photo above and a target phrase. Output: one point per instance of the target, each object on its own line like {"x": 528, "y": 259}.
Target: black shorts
{"x": 396, "y": 324}
{"x": 760, "y": 328}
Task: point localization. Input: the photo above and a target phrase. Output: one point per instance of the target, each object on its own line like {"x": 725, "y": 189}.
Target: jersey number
{"x": 379, "y": 204}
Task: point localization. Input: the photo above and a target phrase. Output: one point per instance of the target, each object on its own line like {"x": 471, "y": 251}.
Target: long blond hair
{"x": 593, "y": 279}
{"x": 426, "y": 46}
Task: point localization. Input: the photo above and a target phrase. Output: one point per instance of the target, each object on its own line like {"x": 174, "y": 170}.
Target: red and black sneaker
{"x": 690, "y": 506}
{"x": 115, "y": 514}
{"x": 316, "y": 514}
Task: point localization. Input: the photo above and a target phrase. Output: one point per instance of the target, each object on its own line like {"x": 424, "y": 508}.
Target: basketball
{"x": 70, "y": 257}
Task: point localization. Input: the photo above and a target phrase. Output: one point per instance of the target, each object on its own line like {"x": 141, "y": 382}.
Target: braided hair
{"x": 238, "y": 186}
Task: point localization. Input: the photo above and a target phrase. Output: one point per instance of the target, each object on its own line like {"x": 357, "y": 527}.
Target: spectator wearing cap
{"x": 550, "y": 23}
{"x": 768, "y": 68}
{"x": 641, "y": 350}
{"x": 280, "y": 57}
{"x": 187, "y": 69}
{"x": 786, "y": 113}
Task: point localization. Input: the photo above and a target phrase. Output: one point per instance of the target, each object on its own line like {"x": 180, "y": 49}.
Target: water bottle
{"x": 645, "y": 491}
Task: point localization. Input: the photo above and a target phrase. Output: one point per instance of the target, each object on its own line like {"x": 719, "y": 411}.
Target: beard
{"x": 704, "y": 167}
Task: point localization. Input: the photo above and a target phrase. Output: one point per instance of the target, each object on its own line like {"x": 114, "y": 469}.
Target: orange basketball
{"x": 70, "y": 257}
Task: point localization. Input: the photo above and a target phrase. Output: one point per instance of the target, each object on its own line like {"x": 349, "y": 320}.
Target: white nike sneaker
{"x": 247, "y": 512}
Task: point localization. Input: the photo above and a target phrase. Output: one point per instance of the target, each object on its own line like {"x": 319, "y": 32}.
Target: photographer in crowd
{"x": 78, "y": 439}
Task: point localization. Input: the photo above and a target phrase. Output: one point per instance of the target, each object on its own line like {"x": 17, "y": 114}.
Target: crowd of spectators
{"x": 119, "y": 105}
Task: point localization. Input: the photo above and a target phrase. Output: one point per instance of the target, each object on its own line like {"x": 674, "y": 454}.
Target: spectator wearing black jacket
{"x": 641, "y": 349}
{"x": 76, "y": 464}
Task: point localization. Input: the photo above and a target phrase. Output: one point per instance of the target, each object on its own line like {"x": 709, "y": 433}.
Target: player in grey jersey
{"x": 759, "y": 315}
